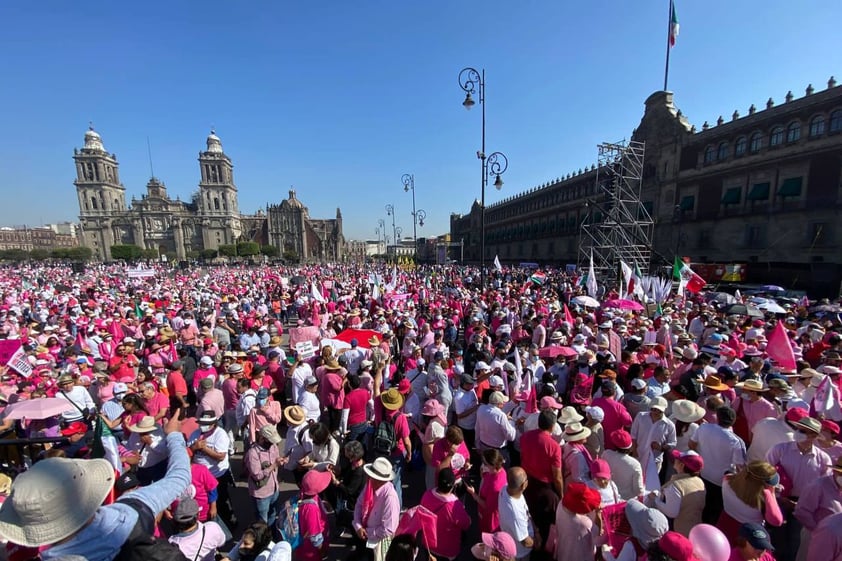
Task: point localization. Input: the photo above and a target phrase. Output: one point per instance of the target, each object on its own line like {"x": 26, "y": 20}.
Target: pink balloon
{"x": 709, "y": 543}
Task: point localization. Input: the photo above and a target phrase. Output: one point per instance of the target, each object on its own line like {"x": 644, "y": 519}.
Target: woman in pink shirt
{"x": 451, "y": 517}
{"x": 493, "y": 481}
{"x": 451, "y": 452}
{"x": 312, "y": 518}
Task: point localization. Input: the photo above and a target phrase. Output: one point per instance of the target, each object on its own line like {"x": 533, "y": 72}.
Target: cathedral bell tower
{"x": 218, "y": 207}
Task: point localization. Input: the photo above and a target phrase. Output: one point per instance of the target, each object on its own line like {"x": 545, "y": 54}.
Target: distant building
{"x": 210, "y": 219}
{"x": 28, "y": 239}
{"x": 762, "y": 188}
{"x": 293, "y": 231}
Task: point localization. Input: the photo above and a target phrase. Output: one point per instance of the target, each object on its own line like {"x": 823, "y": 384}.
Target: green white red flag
{"x": 687, "y": 278}
{"x": 673, "y": 24}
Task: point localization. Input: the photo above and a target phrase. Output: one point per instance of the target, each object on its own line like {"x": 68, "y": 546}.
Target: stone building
{"x": 28, "y": 239}
{"x": 291, "y": 229}
{"x": 764, "y": 188}
{"x": 156, "y": 221}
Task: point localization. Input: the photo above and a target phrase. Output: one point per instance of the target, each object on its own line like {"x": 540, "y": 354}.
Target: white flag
{"x": 19, "y": 362}
{"x": 316, "y": 293}
{"x": 591, "y": 283}
{"x": 497, "y": 264}
{"x": 626, "y": 279}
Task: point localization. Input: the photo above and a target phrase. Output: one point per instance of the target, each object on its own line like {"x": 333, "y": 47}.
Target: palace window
{"x": 776, "y": 138}
{"x": 756, "y": 143}
{"x": 722, "y": 151}
{"x": 710, "y": 154}
{"x": 836, "y": 121}
{"x": 740, "y": 147}
{"x": 793, "y": 132}
{"x": 817, "y": 126}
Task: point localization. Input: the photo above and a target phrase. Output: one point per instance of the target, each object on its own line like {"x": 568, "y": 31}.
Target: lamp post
{"x": 382, "y": 228}
{"x": 472, "y": 81}
{"x": 418, "y": 216}
{"x": 390, "y": 211}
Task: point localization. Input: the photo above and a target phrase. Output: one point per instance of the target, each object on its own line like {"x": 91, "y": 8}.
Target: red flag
{"x": 531, "y": 400}
{"x": 568, "y": 317}
{"x": 173, "y": 352}
{"x": 116, "y": 330}
{"x": 81, "y": 343}
{"x": 779, "y": 348}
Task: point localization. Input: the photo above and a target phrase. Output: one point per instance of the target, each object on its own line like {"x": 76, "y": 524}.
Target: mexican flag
{"x": 673, "y": 24}
{"x": 538, "y": 278}
{"x": 687, "y": 278}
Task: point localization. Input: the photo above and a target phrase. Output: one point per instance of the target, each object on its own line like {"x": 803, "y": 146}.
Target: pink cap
{"x": 549, "y": 402}
{"x": 795, "y": 414}
{"x": 502, "y": 543}
{"x": 600, "y": 468}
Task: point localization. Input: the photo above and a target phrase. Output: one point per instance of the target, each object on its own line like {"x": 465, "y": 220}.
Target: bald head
{"x": 515, "y": 478}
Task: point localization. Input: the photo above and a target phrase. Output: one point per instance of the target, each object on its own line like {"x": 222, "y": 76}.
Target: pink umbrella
{"x": 623, "y": 304}
{"x": 39, "y": 408}
{"x": 419, "y": 519}
{"x": 555, "y": 350}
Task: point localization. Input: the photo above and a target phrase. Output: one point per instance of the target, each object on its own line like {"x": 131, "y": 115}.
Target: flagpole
{"x": 669, "y": 32}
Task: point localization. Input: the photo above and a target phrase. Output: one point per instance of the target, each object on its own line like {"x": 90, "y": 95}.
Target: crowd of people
{"x": 555, "y": 427}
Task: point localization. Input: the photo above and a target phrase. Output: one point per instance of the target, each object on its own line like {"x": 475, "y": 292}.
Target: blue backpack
{"x": 286, "y": 526}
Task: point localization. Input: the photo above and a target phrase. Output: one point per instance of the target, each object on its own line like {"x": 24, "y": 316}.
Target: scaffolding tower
{"x": 617, "y": 225}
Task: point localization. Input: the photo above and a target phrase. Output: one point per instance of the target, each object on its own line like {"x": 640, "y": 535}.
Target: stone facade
{"x": 763, "y": 189}
{"x": 211, "y": 219}
{"x": 28, "y": 239}
{"x": 291, "y": 229}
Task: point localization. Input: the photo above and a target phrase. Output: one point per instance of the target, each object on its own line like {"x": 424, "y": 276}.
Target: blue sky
{"x": 340, "y": 98}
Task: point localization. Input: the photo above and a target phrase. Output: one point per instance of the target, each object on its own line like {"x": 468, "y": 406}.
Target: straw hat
{"x": 380, "y": 469}
{"x": 715, "y": 383}
{"x": 374, "y": 341}
{"x": 274, "y": 341}
{"x": 753, "y": 386}
{"x": 574, "y": 432}
{"x": 332, "y": 364}
{"x": 53, "y": 499}
{"x": 294, "y": 415}
{"x": 392, "y": 399}
{"x": 146, "y": 424}
{"x": 569, "y": 415}
{"x": 687, "y": 411}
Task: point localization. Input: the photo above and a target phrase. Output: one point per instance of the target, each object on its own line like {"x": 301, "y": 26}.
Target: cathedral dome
{"x": 93, "y": 141}
{"x": 292, "y": 201}
{"x": 214, "y": 144}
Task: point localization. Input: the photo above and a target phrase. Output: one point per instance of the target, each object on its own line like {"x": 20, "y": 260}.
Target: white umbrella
{"x": 586, "y": 301}
{"x": 771, "y": 307}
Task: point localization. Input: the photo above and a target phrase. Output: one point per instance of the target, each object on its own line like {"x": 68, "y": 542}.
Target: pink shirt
{"x": 356, "y": 403}
{"x": 451, "y": 520}
{"x": 826, "y": 543}
{"x": 440, "y": 450}
{"x": 229, "y": 392}
{"x": 489, "y": 491}
{"x": 802, "y": 469}
{"x": 754, "y": 410}
{"x": 201, "y": 374}
{"x": 158, "y": 402}
{"x": 312, "y": 523}
{"x": 202, "y": 483}
{"x": 331, "y": 390}
{"x": 820, "y": 499}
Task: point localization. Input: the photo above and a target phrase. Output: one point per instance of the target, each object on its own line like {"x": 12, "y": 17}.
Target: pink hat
{"x": 548, "y": 402}
{"x": 691, "y": 460}
{"x": 502, "y": 543}
{"x": 677, "y": 547}
{"x": 432, "y": 408}
{"x": 314, "y": 482}
{"x": 621, "y": 439}
{"x": 600, "y": 468}
{"x": 795, "y": 414}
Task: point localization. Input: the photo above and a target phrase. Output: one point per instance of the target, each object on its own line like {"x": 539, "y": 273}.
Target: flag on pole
{"x": 673, "y": 24}
{"x": 568, "y": 317}
{"x": 636, "y": 284}
{"x": 687, "y": 278}
{"x": 779, "y": 348}
{"x": 626, "y": 286}
{"x": 591, "y": 282}
{"x": 538, "y": 278}
{"x": 497, "y": 264}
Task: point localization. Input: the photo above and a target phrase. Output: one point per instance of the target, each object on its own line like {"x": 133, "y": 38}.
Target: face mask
{"x": 800, "y": 437}
{"x": 206, "y": 428}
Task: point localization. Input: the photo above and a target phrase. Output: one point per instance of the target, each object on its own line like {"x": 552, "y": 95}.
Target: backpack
{"x": 286, "y": 525}
{"x": 141, "y": 545}
{"x": 384, "y": 440}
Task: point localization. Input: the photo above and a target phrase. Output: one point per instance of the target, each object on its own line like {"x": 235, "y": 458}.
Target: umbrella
{"x": 39, "y": 408}
{"x": 298, "y": 279}
{"x": 585, "y": 301}
{"x": 720, "y": 298}
{"x": 742, "y": 310}
{"x": 827, "y": 308}
{"x": 556, "y": 350}
{"x": 361, "y": 335}
{"x": 771, "y": 307}
{"x": 419, "y": 519}
{"x": 772, "y": 288}
{"x": 623, "y": 304}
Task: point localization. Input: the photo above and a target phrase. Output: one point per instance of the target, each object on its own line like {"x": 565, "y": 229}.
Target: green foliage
{"x": 79, "y": 253}
{"x": 39, "y": 254}
{"x": 193, "y": 254}
{"x": 126, "y": 252}
{"x": 208, "y": 254}
{"x": 151, "y": 254}
{"x": 228, "y": 250}
{"x": 290, "y": 256}
{"x": 269, "y": 250}
{"x": 247, "y": 249}
{"x": 14, "y": 255}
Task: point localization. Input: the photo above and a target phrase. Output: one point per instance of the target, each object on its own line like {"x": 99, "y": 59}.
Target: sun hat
{"x": 332, "y": 364}
{"x": 187, "y": 510}
{"x": 677, "y": 547}
{"x": 206, "y": 383}
{"x": 659, "y": 403}
{"x": 76, "y": 427}
{"x": 314, "y": 482}
{"x": 753, "y": 386}
{"x": 638, "y": 383}
{"x": 392, "y": 399}
{"x": 206, "y": 361}
{"x": 687, "y": 411}
{"x": 549, "y": 402}
{"x": 53, "y": 499}
{"x": 595, "y": 412}
{"x": 502, "y": 543}
{"x": 496, "y": 398}
{"x": 713, "y": 382}
{"x": 691, "y": 460}
{"x": 647, "y": 524}
{"x": 600, "y": 468}
{"x": 235, "y": 368}
{"x": 432, "y": 408}
{"x": 621, "y": 439}
{"x": 574, "y": 432}
{"x": 294, "y": 415}
{"x": 380, "y": 469}
{"x": 795, "y": 414}
{"x": 270, "y": 433}
{"x": 64, "y": 379}
{"x": 374, "y": 341}
{"x": 810, "y": 424}
{"x": 689, "y": 354}
{"x": 146, "y": 424}
{"x": 569, "y": 415}
{"x": 207, "y": 418}
{"x": 757, "y": 536}
{"x": 580, "y": 499}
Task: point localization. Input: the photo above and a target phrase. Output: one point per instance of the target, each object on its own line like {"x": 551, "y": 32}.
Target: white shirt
{"x": 722, "y": 450}
{"x": 244, "y": 406}
{"x": 610, "y": 494}
{"x": 626, "y": 473}
{"x": 462, "y": 401}
{"x": 515, "y": 520}
{"x": 765, "y": 434}
{"x": 81, "y": 399}
{"x": 298, "y": 376}
{"x": 150, "y": 455}
{"x": 311, "y": 405}
{"x": 644, "y": 432}
{"x": 493, "y": 428}
{"x": 218, "y": 441}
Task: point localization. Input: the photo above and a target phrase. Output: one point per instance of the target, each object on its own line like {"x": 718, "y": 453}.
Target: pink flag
{"x": 779, "y": 348}
{"x": 420, "y": 519}
{"x": 568, "y": 317}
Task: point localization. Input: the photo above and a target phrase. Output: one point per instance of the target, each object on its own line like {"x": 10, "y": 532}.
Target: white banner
{"x": 19, "y": 363}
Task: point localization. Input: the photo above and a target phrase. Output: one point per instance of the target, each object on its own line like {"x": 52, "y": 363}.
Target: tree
{"x": 126, "y": 252}
{"x": 39, "y": 254}
{"x": 228, "y": 250}
{"x": 14, "y": 255}
{"x": 291, "y": 256}
{"x": 208, "y": 254}
{"x": 79, "y": 253}
{"x": 269, "y": 250}
{"x": 193, "y": 254}
{"x": 149, "y": 254}
{"x": 247, "y": 249}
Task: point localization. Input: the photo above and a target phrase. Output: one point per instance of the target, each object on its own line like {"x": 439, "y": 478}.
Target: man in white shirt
{"x": 78, "y": 396}
{"x": 514, "y": 514}
{"x": 248, "y": 399}
{"x": 309, "y": 401}
{"x": 494, "y": 429}
{"x": 465, "y": 405}
{"x": 210, "y": 448}
{"x": 300, "y": 372}
{"x": 653, "y": 433}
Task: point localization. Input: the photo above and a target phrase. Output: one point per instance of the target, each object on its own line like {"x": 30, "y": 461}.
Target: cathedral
{"x": 183, "y": 229}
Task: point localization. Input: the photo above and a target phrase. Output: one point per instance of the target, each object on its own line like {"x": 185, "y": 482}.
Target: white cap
{"x": 638, "y": 383}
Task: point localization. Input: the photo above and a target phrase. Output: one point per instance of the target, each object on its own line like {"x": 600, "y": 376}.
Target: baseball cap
{"x": 126, "y": 482}
{"x": 186, "y": 511}
{"x": 549, "y": 402}
{"x": 502, "y": 543}
{"x": 638, "y": 383}
{"x": 691, "y": 460}
{"x": 466, "y": 379}
{"x": 496, "y": 398}
{"x": 757, "y": 536}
